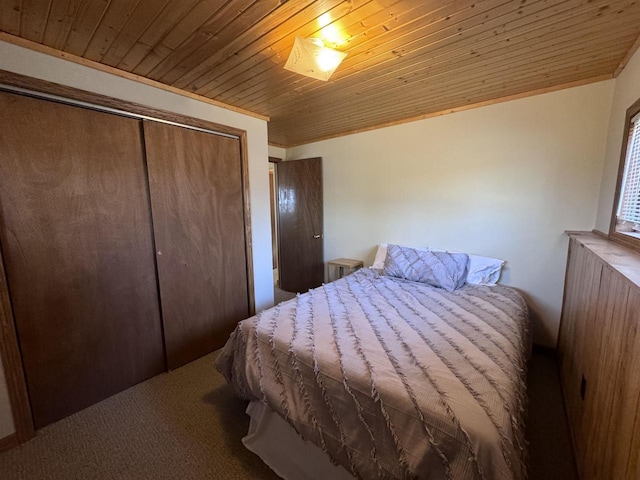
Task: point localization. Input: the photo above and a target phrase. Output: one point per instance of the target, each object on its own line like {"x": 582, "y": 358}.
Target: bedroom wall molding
{"x": 9, "y": 345}
{"x": 36, "y": 47}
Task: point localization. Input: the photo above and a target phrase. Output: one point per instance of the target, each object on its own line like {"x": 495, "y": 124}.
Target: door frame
{"x": 276, "y": 212}
{"x": 9, "y": 345}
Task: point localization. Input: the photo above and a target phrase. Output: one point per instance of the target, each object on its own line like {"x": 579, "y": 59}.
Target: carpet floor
{"x": 280, "y": 295}
{"x": 187, "y": 424}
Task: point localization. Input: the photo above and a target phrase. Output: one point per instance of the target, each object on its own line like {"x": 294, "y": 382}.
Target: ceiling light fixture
{"x": 310, "y": 57}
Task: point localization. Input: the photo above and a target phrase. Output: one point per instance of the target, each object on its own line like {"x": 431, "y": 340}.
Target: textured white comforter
{"x": 393, "y": 379}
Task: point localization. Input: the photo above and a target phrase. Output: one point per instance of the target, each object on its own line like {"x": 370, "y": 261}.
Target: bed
{"x": 391, "y": 378}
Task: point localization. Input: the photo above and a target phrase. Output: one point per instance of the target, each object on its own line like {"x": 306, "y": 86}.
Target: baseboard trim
{"x": 8, "y": 442}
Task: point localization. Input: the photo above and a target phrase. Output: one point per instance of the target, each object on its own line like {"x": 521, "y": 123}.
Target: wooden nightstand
{"x": 345, "y": 266}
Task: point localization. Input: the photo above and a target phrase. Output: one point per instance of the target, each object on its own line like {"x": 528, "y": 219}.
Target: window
{"x": 626, "y": 219}
{"x": 629, "y": 205}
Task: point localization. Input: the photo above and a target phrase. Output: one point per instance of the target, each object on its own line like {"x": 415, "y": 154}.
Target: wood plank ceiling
{"x": 406, "y": 58}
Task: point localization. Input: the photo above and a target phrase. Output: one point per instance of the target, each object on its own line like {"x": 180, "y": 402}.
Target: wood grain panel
{"x": 255, "y": 23}
{"x": 12, "y": 363}
{"x": 362, "y": 26}
{"x": 173, "y": 13}
{"x": 600, "y": 392}
{"x": 114, "y": 20}
{"x": 602, "y": 310}
{"x": 216, "y": 32}
{"x": 136, "y": 24}
{"x": 432, "y": 56}
{"x": 626, "y": 393}
{"x": 633, "y": 468}
{"x": 566, "y": 336}
{"x": 385, "y": 44}
{"x": 584, "y": 424}
{"x": 10, "y": 13}
{"x": 572, "y": 334}
{"x": 254, "y": 63}
{"x": 35, "y": 14}
{"x": 406, "y": 59}
{"x": 198, "y": 76}
{"x": 439, "y": 39}
{"x": 85, "y": 22}
{"x": 197, "y": 200}
{"x": 248, "y": 234}
{"x": 492, "y": 89}
{"x": 60, "y": 22}
{"x": 202, "y": 12}
{"x": 479, "y": 71}
{"x": 77, "y": 242}
{"x": 300, "y": 224}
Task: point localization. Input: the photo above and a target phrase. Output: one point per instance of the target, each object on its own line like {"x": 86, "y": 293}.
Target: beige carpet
{"x": 186, "y": 424}
{"x": 181, "y": 424}
{"x": 280, "y": 295}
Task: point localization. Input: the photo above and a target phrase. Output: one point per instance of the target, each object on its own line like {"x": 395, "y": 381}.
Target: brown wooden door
{"x": 300, "y": 222}
{"x": 77, "y": 242}
{"x": 198, "y": 216}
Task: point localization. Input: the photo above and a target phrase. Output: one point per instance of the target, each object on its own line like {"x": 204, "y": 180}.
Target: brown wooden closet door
{"x": 77, "y": 241}
{"x": 198, "y": 219}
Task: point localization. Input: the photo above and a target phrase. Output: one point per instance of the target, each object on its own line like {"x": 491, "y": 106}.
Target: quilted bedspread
{"x": 391, "y": 378}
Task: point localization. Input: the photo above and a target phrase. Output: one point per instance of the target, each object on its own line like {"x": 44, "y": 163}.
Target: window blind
{"x": 629, "y": 207}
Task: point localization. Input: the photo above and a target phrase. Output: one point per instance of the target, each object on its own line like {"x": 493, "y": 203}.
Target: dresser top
{"x": 622, "y": 259}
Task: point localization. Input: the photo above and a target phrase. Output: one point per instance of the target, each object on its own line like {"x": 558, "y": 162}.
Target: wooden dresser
{"x": 599, "y": 354}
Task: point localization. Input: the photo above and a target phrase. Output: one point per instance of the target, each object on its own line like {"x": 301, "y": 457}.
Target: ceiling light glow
{"x": 328, "y": 59}
{"x": 329, "y": 32}
{"x": 310, "y": 57}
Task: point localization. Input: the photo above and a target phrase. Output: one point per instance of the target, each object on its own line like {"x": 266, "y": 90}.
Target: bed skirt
{"x": 282, "y": 450}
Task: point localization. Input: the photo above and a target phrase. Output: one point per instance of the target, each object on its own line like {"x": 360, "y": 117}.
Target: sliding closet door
{"x": 77, "y": 242}
{"x": 198, "y": 219}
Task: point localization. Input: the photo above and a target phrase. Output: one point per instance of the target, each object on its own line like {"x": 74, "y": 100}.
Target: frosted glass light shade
{"x": 310, "y": 57}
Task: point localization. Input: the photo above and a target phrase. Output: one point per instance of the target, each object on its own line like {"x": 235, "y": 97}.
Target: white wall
{"x": 504, "y": 180}
{"x": 27, "y": 62}
{"x": 627, "y": 91}
{"x": 277, "y": 152}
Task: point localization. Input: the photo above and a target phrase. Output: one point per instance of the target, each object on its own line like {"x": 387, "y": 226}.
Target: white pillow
{"x": 482, "y": 270}
{"x": 381, "y": 254}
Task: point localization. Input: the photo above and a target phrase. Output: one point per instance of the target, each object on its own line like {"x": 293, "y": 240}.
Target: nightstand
{"x": 344, "y": 266}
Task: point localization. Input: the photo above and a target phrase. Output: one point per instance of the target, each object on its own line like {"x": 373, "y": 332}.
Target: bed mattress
{"x": 391, "y": 378}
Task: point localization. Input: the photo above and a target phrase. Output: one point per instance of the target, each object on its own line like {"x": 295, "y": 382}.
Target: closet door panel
{"x": 77, "y": 241}
{"x": 198, "y": 217}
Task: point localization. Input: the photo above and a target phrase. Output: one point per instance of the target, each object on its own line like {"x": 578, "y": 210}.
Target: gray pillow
{"x": 439, "y": 269}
